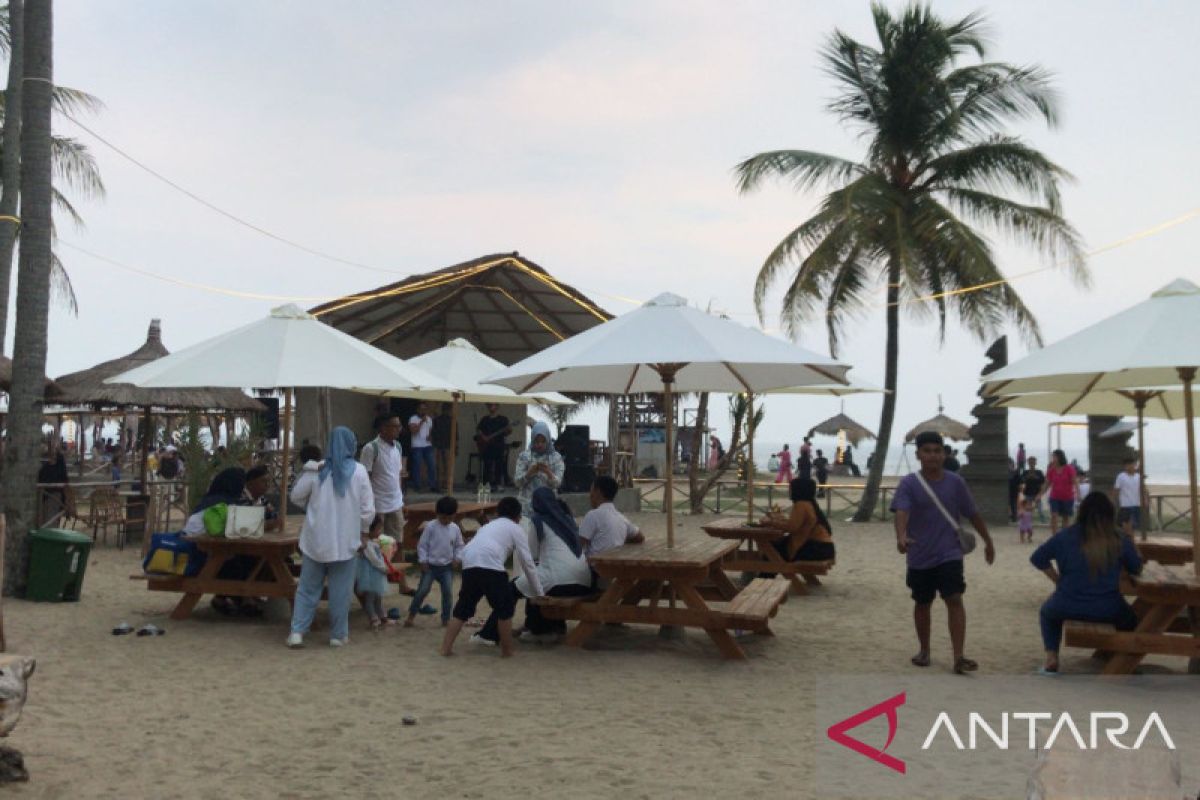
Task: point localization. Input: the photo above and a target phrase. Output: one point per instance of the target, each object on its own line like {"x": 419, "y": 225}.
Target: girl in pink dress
{"x": 785, "y": 466}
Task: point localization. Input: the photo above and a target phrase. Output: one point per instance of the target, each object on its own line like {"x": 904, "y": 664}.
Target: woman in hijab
{"x": 809, "y": 533}
{"x": 541, "y": 466}
{"x": 561, "y": 567}
{"x": 227, "y": 488}
{"x": 339, "y": 507}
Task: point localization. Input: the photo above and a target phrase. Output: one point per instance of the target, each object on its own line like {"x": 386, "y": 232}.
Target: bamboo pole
{"x": 1187, "y": 375}
{"x": 453, "y": 445}
{"x": 284, "y": 430}
{"x": 750, "y": 457}
{"x": 1139, "y": 401}
{"x": 668, "y": 378}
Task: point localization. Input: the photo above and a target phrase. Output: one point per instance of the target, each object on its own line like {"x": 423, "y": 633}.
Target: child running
{"x": 440, "y": 546}
{"x": 1025, "y": 520}
{"x": 484, "y": 575}
{"x": 371, "y": 574}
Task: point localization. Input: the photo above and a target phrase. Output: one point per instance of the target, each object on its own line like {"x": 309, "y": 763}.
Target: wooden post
{"x": 749, "y": 457}
{"x": 668, "y": 377}
{"x": 3, "y": 643}
{"x": 1139, "y": 401}
{"x": 147, "y": 434}
{"x": 284, "y": 431}
{"x": 453, "y": 445}
{"x": 1187, "y": 375}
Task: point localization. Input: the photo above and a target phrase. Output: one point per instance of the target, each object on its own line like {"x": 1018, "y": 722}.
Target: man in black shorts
{"x": 928, "y": 505}
{"x": 1032, "y": 481}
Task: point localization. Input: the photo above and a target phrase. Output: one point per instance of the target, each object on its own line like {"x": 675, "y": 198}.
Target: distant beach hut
{"x": 947, "y": 427}
{"x": 842, "y": 424}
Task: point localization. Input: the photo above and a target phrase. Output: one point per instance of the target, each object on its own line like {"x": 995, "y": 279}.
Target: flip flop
{"x": 920, "y": 660}
{"x": 150, "y": 629}
{"x": 964, "y": 665}
{"x": 1047, "y": 673}
{"x": 122, "y": 629}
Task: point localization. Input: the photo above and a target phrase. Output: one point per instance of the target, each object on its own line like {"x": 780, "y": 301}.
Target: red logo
{"x": 838, "y": 732}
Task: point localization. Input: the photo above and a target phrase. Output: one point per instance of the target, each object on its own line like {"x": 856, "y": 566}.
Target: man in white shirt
{"x": 1128, "y": 494}
{"x": 383, "y": 459}
{"x": 605, "y": 528}
{"x": 484, "y": 575}
{"x": 421, "y": 458}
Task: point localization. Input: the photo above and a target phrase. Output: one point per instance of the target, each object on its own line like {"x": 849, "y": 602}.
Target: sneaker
{"x": 295, "y": 640}
{"x": 477, "y": 639}
{"x": 339, "y": 642}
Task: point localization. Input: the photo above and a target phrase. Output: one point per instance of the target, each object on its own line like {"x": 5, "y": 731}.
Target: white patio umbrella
{"x": 1155, "y": 343}
{"x": 463, "y": 367}
{"x": 288, "y": 349}
{"x": 667, "y": 346}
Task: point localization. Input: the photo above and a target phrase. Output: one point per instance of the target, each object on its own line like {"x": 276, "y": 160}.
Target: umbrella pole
{"x": 1140, "y": 402}
{"x": 749, "y": 456}
{"x": 287, "y": 451}
{"x": 669, "y": 407}
{"x": 453, "y": 446}
{"x": 146, "y": 422}
{"x": 1187, "y": 375}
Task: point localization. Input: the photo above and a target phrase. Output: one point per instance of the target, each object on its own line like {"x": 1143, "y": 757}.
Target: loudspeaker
{"x": 574, "y": 445}
{"x": 578, "y": 478}
{"x": 270, "y": 417}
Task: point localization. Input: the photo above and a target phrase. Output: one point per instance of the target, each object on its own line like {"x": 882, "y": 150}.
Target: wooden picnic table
{"x": 1165, "y": 549}
{"x": 757, "y": 553}
{"x": 646, "y": 580}
{"x": 417, "y": 514}
{"x": 271, "y": 576}
{"x": 1162, "y": 594}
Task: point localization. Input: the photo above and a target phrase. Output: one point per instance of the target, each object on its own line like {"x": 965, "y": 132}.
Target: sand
{"x": 219, "y": 708}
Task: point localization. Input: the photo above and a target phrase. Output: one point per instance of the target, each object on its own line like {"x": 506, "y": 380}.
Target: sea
{"x": 1163, "y": 467}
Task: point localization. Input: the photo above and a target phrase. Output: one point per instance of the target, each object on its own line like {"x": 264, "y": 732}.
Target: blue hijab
{"x": 550, "y": 512}
{"x": 339, "y": 459}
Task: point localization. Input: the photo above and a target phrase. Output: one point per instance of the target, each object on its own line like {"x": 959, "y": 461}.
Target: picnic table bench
{"x": 1165, "y": 549}
{"x": 756, "y": 553}
{"x": 647, "y": 580}
{"x": 1163, "y": 594}
{"x": 417, "y": 514}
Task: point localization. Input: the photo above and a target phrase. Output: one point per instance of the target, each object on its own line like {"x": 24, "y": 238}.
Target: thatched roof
{"x": 88, "y": 387}
{"x": 948, "y": 428}
{"x": 51, "y": 391}
{"x": 855, "y": 432}
{"x": 505, "y": 305}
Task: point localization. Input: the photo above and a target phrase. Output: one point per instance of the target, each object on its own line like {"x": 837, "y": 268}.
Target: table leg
{"x": 216, "y": 560}
{"x": 721, "y": 581}
{"x": 724, "y": 641}
{"x": 1157, "y": 620}
{"x": 773, "y": 557}
{"x": 611, "y": 597}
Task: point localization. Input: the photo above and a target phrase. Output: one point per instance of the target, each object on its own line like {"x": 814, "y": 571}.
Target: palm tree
{"x": 21, "y": 456}
{"x": 938, "y": 175}
{"x": 74, "y": 165}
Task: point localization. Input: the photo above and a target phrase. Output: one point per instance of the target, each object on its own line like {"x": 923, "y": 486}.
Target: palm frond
{"x": 1001, "y": 163}
{"x": 845, "y": 297}
{"x": 804, "y": 167}
{"x": 64, "y": 205}
{"x": 75, "y": 101}
{"x": 987, "y": 95}
{"x": 73, "y": 163}
{"x": 61, "y": 289}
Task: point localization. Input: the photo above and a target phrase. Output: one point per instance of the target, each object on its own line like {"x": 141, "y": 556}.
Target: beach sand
{"x": 219, "y": 708}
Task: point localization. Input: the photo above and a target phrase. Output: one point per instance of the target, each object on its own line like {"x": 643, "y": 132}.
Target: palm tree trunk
{"x": 697, "y": 499}
{"x": 870, "y": 497}
{"x": 10, "y": 166}
{"x": 22, "y": 456}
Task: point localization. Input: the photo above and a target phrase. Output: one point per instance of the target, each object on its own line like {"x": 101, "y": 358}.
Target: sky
{"x": 598, "y": 139}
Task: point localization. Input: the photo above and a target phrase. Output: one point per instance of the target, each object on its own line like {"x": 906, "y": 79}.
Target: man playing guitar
{"x": 493, "y": 449}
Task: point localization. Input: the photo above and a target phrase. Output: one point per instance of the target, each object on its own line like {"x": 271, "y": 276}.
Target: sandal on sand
{"x": 920, "y": 660}
{"x": 964, "y": 665}
{"x": 1047, "y": 673}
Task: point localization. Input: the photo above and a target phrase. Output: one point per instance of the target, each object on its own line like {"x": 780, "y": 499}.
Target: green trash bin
{"x": 57, "y": 562}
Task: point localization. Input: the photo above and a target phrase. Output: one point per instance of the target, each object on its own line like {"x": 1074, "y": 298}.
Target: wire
{"x": 228, "y": 215}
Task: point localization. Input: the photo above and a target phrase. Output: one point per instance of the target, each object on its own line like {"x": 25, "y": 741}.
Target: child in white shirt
{"x": 441, "y": 545}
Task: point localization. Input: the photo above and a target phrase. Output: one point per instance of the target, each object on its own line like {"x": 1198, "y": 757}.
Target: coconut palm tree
{"x": 21, "y": 456}
{"x": 939, "y": 174}
{"x": 74, "y": 165}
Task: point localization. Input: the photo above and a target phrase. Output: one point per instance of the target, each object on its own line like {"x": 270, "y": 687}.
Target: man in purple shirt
{"x": 931, "y": 544}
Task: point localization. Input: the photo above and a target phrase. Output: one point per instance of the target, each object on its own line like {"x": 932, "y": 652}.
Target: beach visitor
{"x": 1062, "y": 484}
{"x": 821, "y": 470}
{"x": 1087, "y": 560}
{"x": 370, "y": 575}
{"x": 784, "y": 472}
{"x": 848, "y": 461}
{"x": 383, "y": 458}
{"x": 441, "y": 545}
{"x": 809, "y": 532}
{"x": 562, "y": 567}
{"x": 258, "y": 483}
{"x": 951, "y": 463}
{"x": 804, "y": 465}
{"x": 604, "y": 528}
{"x": 1129, "y": 496}
{"x": 1025, "y": 520}
{"x": 443, "y": 424}
{"x": 421, "y": 461}
{"x": 490, "y": 436}
{"x": 484, "y": 575}
{"x": 114, "y": 467}
{"x": 227, "y": 487}
{"x": 1032, "y": 481}
{"x": 1014, "y": 489}
{"x": 339, "y": 509}
{"x": 715, "y": 453}
{"x": 540, "y": 465}
{"x": 928, "y": 505}
{"x": 1020, "y": 456}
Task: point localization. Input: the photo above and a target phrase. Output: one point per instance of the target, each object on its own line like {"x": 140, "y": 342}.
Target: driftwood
{"x": 14, "y": 689}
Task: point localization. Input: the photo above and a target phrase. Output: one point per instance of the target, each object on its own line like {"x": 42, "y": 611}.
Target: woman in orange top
{"x": 809, "y": 534}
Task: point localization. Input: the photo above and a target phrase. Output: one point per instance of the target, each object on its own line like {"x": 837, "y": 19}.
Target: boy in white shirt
{"x": 605, "y": 528}
{"x": 440, "y": 546}
{"x": 484, "y": 575}
{"x": 1127, "y": 491}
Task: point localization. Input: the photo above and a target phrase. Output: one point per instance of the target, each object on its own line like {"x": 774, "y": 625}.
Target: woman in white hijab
{"x": 539, "y": 466}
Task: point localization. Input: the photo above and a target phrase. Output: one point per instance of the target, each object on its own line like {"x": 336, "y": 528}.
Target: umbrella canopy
{"x": 855, "y": 432}
{"x": 102, "y": 385}
{"x": 947, "y": 427}
{"x": 463, "y": 367}
{"x": 1158, "y": 403}
{"x": 853, "y": 385}
{"x": 667, "y": 346}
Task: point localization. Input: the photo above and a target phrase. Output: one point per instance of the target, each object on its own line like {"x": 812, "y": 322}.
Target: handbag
{"x": 965, "y": 537}
{"x": 215, "y": 518}
{"x": 245, "y": 522}
{"x": 173, "y": 554}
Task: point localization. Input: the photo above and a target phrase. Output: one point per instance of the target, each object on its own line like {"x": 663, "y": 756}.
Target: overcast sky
{"x": 596, "y": 138}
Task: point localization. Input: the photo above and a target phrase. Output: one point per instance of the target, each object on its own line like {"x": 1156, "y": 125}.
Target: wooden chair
{"x": 107, "y": 510}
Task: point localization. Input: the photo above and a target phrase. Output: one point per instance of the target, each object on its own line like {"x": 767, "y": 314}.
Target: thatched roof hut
{"x": 88, "y": 387}
{"x": 855, "y": 432}
{"x": 51, "y": 392}
{"x": 947, "y": 427}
